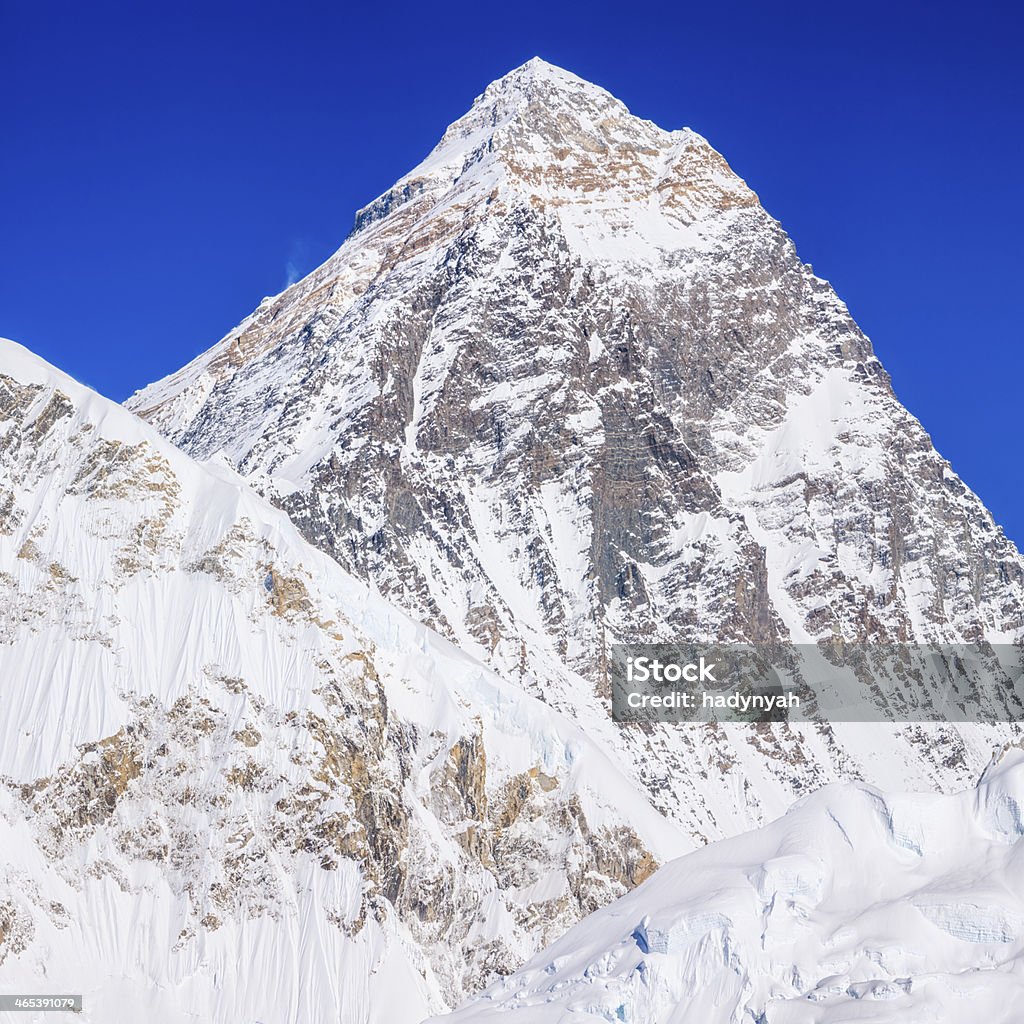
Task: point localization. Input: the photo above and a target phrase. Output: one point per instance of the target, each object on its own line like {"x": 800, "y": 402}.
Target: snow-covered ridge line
{"x": 307, "y": 795}
{"x": 855, "y": 905}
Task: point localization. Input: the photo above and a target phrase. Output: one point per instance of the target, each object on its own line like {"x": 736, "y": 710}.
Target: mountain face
{"x": 566, "y": 384}
{"x": 237, "y": 785}
{"x": 350, "y": 757}
{"x": 856, "y": 906}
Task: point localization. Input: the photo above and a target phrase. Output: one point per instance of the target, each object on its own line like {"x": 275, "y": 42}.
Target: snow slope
{"x": 236, "y": 784}
{"x": 857, "y": 905}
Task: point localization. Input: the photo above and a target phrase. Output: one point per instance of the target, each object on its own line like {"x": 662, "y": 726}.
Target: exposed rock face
{"x": 210, "y": 728}
{"x": 568, "y": 383}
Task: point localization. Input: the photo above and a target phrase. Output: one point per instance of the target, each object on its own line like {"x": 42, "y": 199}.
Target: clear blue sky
{"x": 165, "y": 166}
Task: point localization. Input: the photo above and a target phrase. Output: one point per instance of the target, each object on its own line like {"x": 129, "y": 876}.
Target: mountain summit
{"x": 567, "y": 383}
{"x": 528, "y": 94}
{"x": 560, "y": 140}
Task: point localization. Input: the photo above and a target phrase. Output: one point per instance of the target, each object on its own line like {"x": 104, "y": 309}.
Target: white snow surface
{"x": 856, "y": 905}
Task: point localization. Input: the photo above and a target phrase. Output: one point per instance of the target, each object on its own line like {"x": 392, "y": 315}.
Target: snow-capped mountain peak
{"x": 336, "y": 660}
{"x": 567, "y": 384}
{"x": 540, "y": 82}
{"x": 533, "y": 96}
{"x": 542, "y": 133}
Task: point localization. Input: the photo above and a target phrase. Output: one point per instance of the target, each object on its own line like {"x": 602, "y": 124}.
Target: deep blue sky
{"x": 164, "y": 166}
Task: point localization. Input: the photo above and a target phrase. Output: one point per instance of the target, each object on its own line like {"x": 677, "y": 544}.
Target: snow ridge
{"x": 235, "y": 783}
{"x": 824, "y": 915}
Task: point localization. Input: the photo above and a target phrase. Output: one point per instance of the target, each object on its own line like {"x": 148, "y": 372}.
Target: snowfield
{"x": 856, "y": 905}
